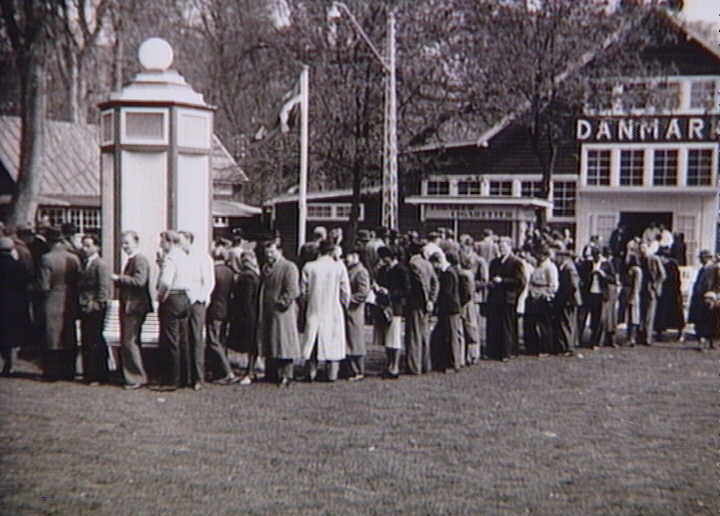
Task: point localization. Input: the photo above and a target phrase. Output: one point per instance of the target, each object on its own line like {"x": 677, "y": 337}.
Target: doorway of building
{"x": 637, "y": 221}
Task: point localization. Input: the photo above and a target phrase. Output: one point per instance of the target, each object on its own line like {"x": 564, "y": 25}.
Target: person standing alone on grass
{"x": 325, "y": 289}
{"x": 507, "y": 280}
{"x": 93, "y": 294}
{"x": 135, "y": 304}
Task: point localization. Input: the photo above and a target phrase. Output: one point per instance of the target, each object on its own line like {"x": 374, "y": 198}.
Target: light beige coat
{"x": 326, "y": 290}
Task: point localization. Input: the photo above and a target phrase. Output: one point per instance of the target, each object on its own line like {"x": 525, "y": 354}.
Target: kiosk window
{"x": 501, "y": 188}
{"x": 468, "y": 187}
{"x": 438, "y": 187}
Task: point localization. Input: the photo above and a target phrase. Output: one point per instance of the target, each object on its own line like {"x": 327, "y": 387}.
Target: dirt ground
{"x": 616, "y": 431}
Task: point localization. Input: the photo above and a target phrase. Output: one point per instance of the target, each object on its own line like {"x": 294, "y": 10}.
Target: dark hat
{"x": 68, "y": 228}
{"x": 238, "y": 232}
{"x": 24, "y": 230}
{"x": 52, "y": 234}
{"x": 363, "y": 234}
{"x": 705, "y": 252}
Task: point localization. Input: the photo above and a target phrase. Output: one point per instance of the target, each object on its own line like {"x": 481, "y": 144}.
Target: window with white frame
{"x": 668, "y": 94}
{"x": 632, "y": 167}
{"x": 531, "y": 189}
{"x": 598, "y": 167}
{"x": 501, "y": 188}
{"x": 438, "y": 187}
{"x": 699, "y": 167}
{"x": 86, "y": 220}
{"x": 332, "y": 211}
{"x": 702, "y": 94}
{"x": 635, "y": 96}
{"x": 665, "y": 167}
{"x": 564, "y": 196}
{"x": 469, "y": 188}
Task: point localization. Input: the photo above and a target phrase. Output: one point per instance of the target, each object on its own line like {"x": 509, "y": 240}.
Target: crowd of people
{"x": 435, "y": 302}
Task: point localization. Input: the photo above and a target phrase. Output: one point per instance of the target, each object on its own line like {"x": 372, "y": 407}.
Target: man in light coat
{"x": 325, "y": 288}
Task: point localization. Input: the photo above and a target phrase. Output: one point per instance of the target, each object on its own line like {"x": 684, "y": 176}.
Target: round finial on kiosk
{"x": 155, "y": 54}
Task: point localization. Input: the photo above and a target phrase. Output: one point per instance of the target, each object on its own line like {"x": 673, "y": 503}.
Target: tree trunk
{"x": 118, "y": 56}
{"x": 32, "y": 136}
{"x": 73, "y": 77}
{"x": 355, "y": 207}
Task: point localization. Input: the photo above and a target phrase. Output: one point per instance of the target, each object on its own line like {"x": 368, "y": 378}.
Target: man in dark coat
{"x": 93, "y": 296}
{"x": 507, "y": 280}
{"x": 707, "y": 279}
{"x": 670, "y": 314}
{"x": 58, "y": 275}
{"x": 566, "y": 302}
{"x": 597, "y": 276}
{"x": 420, "y": 305}
{"x": 135, "y": 304}
{"x": 14, "y": 281}
{"x": 277, "y": 331}
{"x": 216, "y": 317}
{"x": 447, "y": 338}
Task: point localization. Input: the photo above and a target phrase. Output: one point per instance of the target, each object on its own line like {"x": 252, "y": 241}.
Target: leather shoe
{"x": 133, "y": 386}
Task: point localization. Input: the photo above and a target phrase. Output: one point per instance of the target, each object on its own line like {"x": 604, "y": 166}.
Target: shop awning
{"x": 221, "y": 208}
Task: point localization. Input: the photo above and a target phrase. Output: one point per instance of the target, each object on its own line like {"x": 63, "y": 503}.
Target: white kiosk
{"x": 155, "y": 143}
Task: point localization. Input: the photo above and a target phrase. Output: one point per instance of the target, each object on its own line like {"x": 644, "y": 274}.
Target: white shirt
{"x": 202, "y": 277}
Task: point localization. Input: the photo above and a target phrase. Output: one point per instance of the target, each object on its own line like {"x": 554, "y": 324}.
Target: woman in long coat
{"x": 359, "y": 291}
{"x": 277, "y": 332}
{"x": 244, "y": 312}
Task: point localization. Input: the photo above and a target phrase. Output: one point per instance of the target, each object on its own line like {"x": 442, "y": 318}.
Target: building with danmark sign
{"x": 635, "y": 160}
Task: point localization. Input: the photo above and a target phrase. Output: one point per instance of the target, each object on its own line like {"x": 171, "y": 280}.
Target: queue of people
{"x": 436, "y": 303}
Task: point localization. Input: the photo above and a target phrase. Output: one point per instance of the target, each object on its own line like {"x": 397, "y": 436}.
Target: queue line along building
{"x": 629, "y": 163}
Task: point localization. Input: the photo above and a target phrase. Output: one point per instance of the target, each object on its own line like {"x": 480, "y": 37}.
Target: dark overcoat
{"x": 14, "y": 314}
{"x": 58, "y": 276}
{"x": 277, "y": 331}
{"x": 355, "y": 315}
{"x": 243, "y": 312}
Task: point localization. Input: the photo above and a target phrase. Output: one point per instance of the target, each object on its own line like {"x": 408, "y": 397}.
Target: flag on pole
{"x": 285, "y": 116}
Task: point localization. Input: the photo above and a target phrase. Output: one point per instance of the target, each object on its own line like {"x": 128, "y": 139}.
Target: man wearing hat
{"x": 706, "y": 280}
{"x": 58, "y": 275}
{"x": 14, "y": 280}
{"x": 361, "y": 240}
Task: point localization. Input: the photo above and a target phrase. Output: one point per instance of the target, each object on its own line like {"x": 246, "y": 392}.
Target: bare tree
{"x": 29, "y": 25}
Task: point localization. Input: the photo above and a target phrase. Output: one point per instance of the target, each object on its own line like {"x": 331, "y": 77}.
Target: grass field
{"x": 618, "y": 431}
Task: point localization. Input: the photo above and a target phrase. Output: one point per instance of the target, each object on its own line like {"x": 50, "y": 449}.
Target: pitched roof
{"x": 485, "y": 134}
{"x": 71, "y": 158}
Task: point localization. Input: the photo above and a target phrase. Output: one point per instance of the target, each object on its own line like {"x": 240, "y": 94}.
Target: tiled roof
{"x": 71, "y": 158}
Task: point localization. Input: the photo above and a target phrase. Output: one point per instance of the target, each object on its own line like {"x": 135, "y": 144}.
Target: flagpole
{"x": 302, "y": 194}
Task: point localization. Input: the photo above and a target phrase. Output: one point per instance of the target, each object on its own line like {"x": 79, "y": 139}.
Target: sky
{"x": 702, "y": 10}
